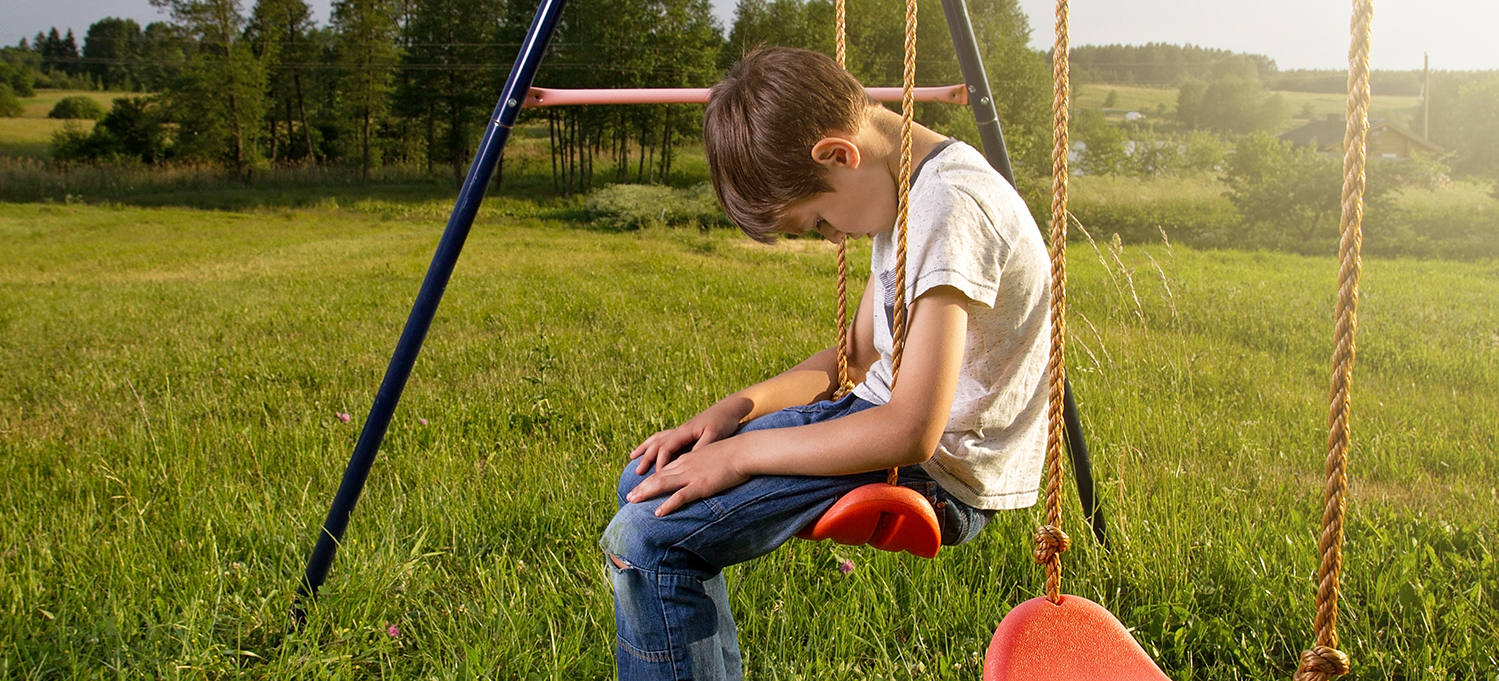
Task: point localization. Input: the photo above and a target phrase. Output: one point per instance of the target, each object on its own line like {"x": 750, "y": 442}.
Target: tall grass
{"x": 171, "y": 380}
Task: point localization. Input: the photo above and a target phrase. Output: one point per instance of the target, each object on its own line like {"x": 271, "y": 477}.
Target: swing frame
{"x": 517, "y": 94}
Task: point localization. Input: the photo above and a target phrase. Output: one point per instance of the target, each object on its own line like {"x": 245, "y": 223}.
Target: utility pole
{"x": 1426, "y": 96}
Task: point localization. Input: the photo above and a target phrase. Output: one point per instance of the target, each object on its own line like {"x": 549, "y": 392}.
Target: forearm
{"x": 904, "y": 431}
{"x": 874, "y": 439}
{"x": 812, "y": 380}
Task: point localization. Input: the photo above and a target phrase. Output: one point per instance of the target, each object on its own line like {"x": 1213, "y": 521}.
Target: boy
{"x": 794, "y": 144}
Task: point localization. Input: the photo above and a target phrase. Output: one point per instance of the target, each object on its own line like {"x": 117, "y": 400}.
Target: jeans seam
{"x": 643, "y": 655}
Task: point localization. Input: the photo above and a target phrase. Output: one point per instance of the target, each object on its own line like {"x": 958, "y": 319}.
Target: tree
{"x": 16, "y": 77}
{"x": 10, "y": 105}
{"x": 446, "y": 79}
{"x": 279, "y": 32}
{"x": 130, "y": 131}
{"x": 1104, "y": 144}
{"x": 110, "y": 51}
{"x": 365, "y": 32}
{"x": 1285, "y": 192}
{"x": 162, "y": 53}
{"x": 1232, "y": 104}
{"x": 218, "y": 99}
{"x": 58, "y": 54}
{"x": 806, "y": 24}
{"x": 1476, "y": 119}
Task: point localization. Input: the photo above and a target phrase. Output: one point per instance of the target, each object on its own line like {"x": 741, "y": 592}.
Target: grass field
{"x": 30, "y": 134}
{"x": 171, "y": 379}
{"x": 1147, "y": 99}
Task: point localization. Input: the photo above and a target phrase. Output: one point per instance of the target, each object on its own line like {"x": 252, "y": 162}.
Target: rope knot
{"x": 1322, "y": 662}
{"x": 1050, "y": 541}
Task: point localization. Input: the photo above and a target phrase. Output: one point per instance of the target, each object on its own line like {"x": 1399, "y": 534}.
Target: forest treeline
{"x": 412, "y": 81}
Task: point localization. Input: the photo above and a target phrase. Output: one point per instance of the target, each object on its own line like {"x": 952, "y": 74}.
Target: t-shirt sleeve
{"x": 953, "y": 242}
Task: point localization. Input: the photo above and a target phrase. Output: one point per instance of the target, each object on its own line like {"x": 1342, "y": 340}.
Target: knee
{"x": 628, "y": 480}
{"x": 627, "y": 540}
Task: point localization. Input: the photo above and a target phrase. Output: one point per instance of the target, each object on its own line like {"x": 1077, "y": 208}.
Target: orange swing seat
{"x": 887, "y": 517}
{"x": 1074, "y": 640}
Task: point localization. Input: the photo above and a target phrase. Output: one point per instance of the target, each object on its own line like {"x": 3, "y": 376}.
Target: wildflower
{"x": 422, "y": 421}
{"x": 344, "y": 416}
{"x": 392, "y": 631}
{"x": 846, "y": 566}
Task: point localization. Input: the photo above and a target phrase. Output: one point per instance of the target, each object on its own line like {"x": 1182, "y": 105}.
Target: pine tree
{"x": 280, "y": 31}
{"x": 446, "y": 79}
{"x": 218, "y": 99}
{"x": 365, "y": 32}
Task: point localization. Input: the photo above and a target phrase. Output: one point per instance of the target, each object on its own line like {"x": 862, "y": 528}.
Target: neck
{"x": 886, "y": 124}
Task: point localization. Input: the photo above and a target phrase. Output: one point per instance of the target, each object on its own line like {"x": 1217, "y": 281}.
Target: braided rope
{"x": 1325, "y": 660}
{"x": 840, "y": 39}
{"x": 840, "y": 32}
{"x": 1051, "y": 541}
{"x": 903, "y": 206}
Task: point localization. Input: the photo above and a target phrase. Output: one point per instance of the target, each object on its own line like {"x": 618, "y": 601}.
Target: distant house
{"x": 1386, "y": 140}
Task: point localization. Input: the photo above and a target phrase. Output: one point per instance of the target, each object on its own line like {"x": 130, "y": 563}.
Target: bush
{"x": 17, "y": 77}
{"x": 131, "y": 131}
{"x": 10, "y": 105}
{"x": 632, "y": 206}
{"x": 77, "y": 107}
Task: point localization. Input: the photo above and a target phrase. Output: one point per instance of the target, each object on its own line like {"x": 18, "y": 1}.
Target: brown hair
{"x": 760, "y": 125}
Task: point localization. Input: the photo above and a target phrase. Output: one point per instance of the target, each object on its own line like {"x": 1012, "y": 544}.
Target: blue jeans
{"x": 671, "y": 607}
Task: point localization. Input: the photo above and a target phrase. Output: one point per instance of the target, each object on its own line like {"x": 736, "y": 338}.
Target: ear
{"x": 836, "y": 151}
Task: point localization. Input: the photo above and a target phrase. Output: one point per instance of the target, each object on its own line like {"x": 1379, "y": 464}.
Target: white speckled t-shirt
{"x": 970, "y": 230}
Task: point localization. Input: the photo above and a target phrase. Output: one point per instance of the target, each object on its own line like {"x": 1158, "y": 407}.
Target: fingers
{"x": 652, "y": 487}
{"x": 675, "y": 501}
{"x": 709, "y": 436}
{"x": 658, "y": 449}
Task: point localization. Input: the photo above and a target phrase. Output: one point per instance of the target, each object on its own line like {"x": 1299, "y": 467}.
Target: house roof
{"x": 1327, "y": 133}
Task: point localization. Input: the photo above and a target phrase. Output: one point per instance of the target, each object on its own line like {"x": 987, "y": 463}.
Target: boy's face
{"x": 863, "y": 201}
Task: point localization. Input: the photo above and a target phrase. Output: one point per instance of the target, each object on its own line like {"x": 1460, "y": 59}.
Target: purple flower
{"x": 393, "y": 631}
{"x": 344, "y": 416}
{"x": 422, "y": 421}
{"x": 846, "y": 566}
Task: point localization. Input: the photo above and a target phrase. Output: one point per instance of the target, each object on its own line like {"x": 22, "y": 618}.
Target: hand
{"x": 712, "y": 424}
{"x": 702, "y": 472}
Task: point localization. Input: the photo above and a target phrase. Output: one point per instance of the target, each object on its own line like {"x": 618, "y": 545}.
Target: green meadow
{"x": 30, "y": 134}
{"x": 172, "y": 379}
{"x": 1151, "y": 99}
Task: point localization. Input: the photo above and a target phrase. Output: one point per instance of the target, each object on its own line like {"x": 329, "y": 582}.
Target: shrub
{"x": 10, "y": 105}
{"x": 632, "y": 206}
{"x": 131, "y": 130}
{"x": 77, "y": 107}
{"x": 17, "y": 77}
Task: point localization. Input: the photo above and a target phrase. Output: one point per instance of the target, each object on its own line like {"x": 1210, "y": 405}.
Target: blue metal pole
{"x": 496, "y": 133}
{"x": 981, "y": 100}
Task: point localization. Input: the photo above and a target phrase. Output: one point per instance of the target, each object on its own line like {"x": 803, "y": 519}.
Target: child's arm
{"x": 813, "y": 379}
{"x": 902, "y": 432}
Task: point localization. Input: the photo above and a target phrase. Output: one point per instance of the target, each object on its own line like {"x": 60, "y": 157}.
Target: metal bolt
{"x": 984, "y": 100}
{"x": 510, "y": 102}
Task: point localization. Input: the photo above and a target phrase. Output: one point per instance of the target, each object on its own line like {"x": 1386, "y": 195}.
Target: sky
{"x": 1458, "y": 34}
